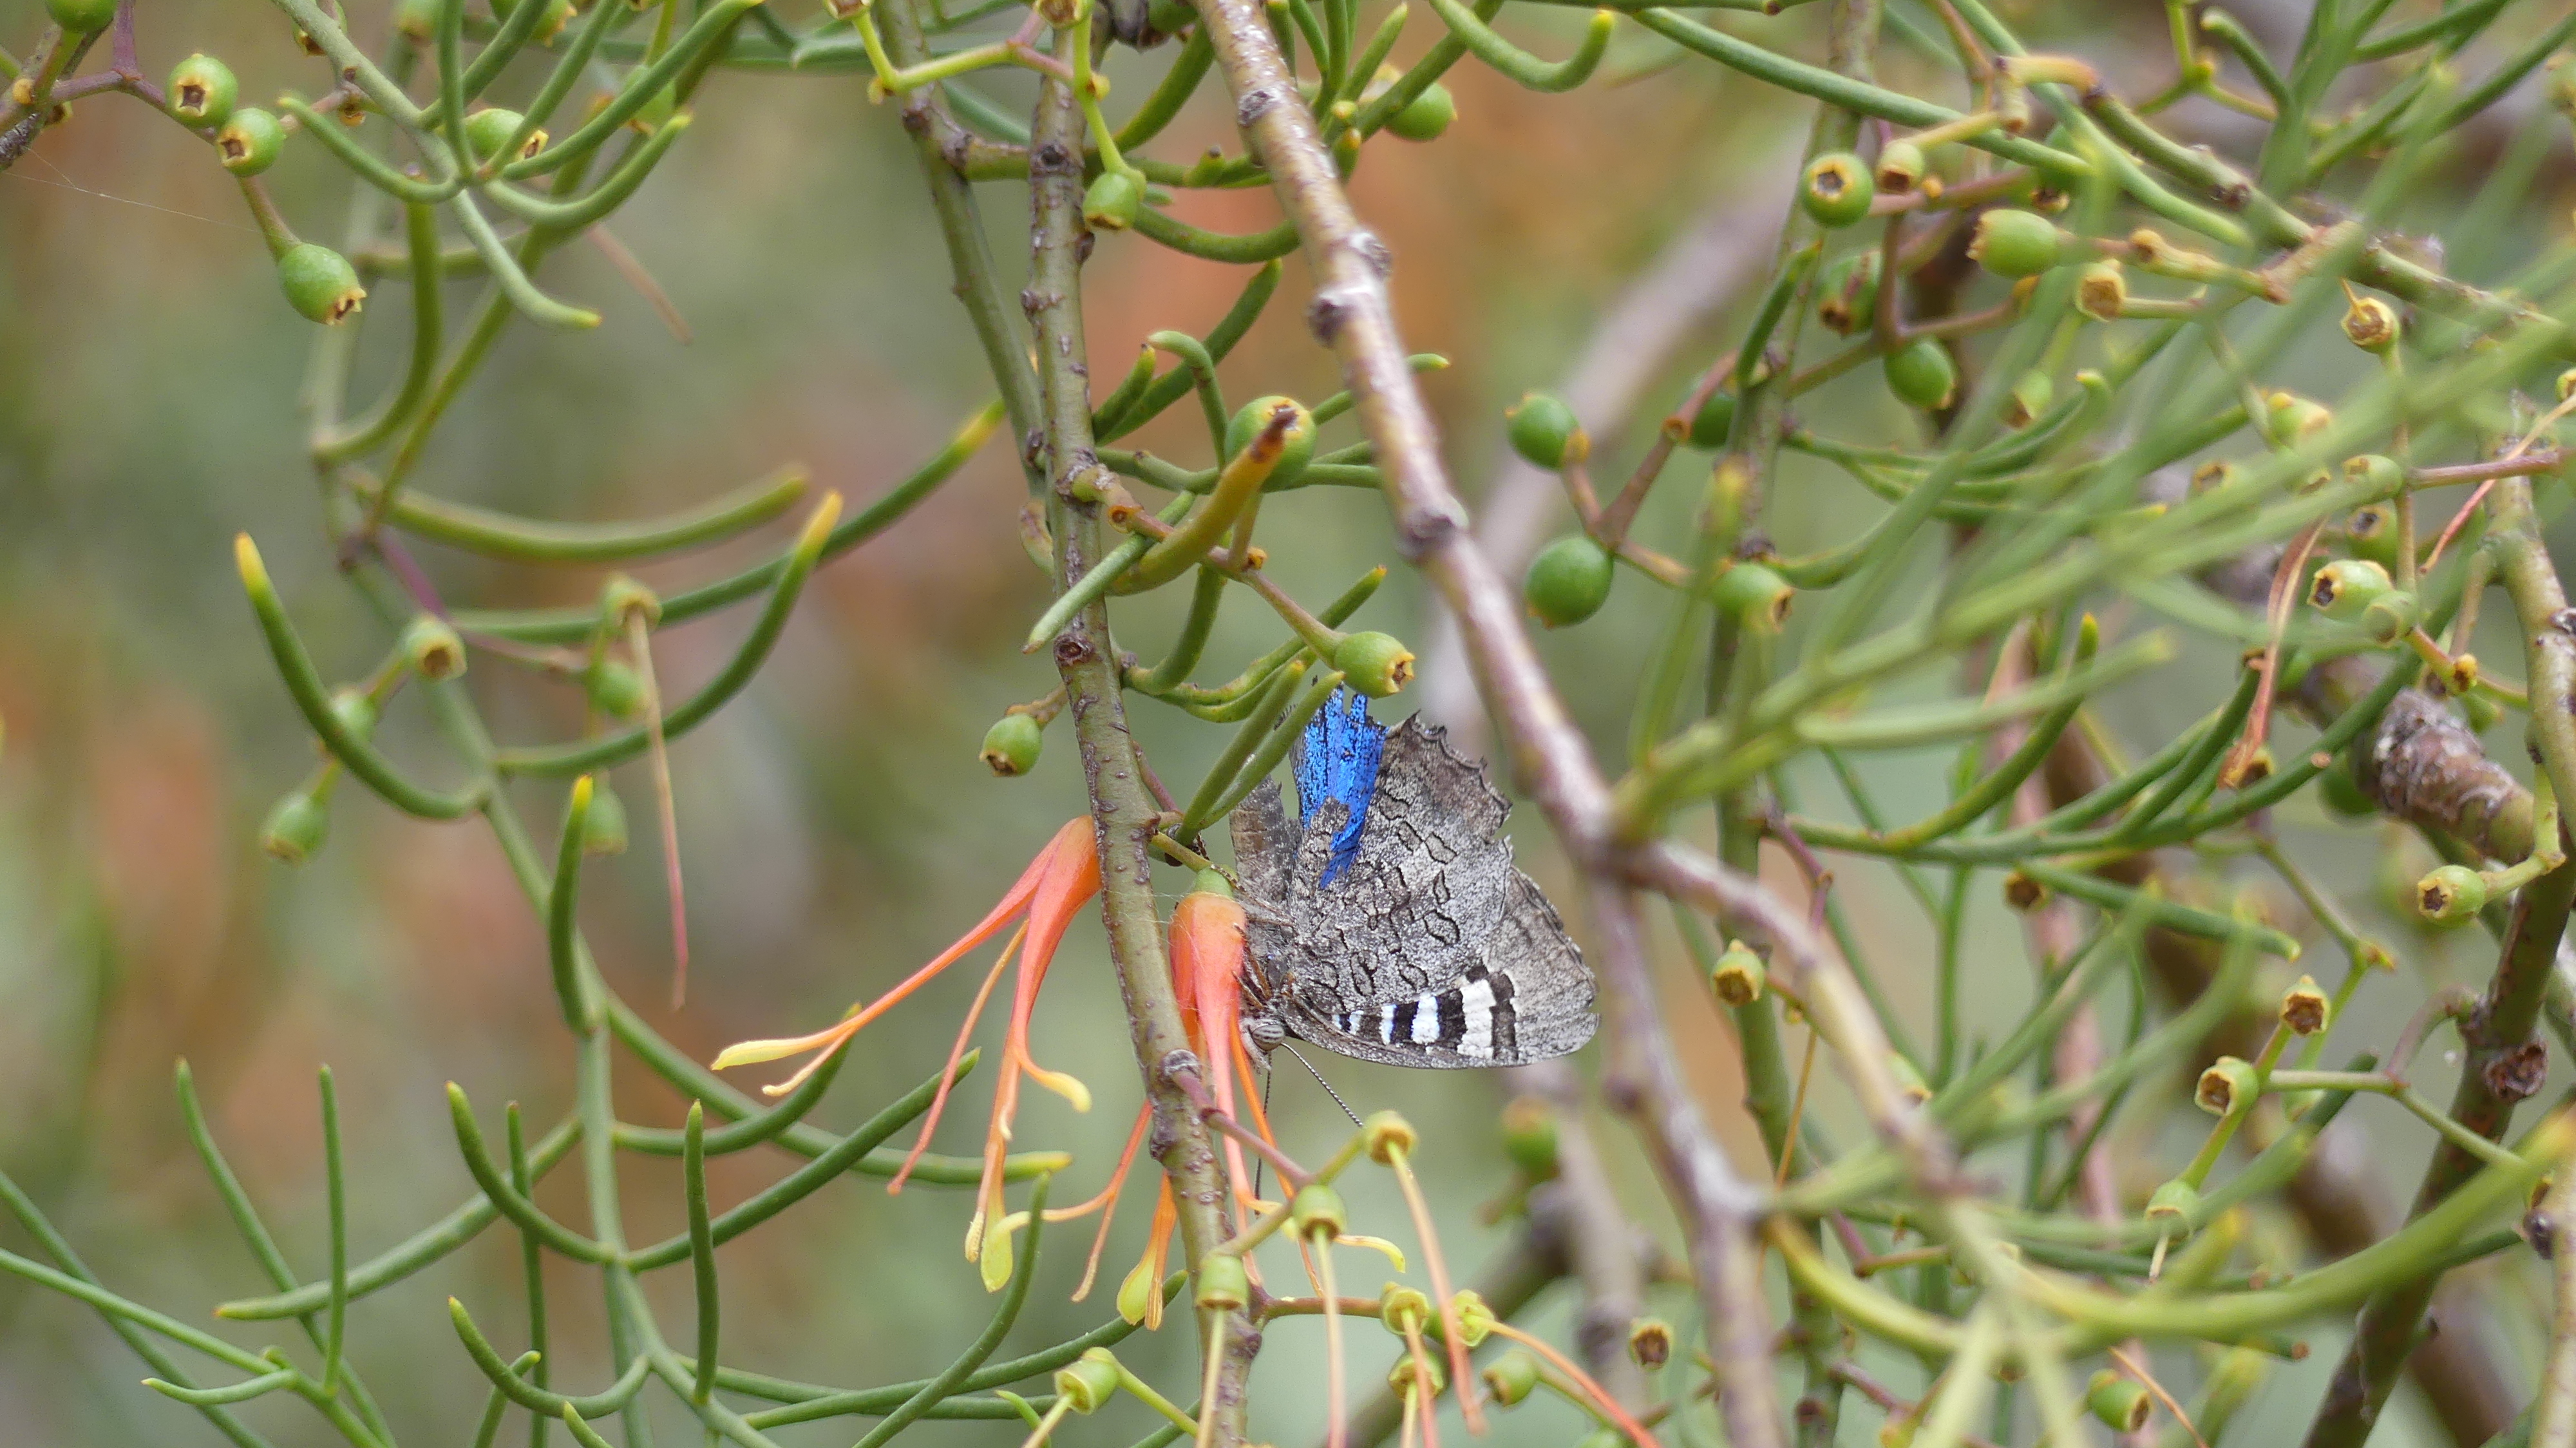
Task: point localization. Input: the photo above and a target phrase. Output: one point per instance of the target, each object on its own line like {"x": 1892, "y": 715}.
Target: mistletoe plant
{"x": 2105, "y": 336}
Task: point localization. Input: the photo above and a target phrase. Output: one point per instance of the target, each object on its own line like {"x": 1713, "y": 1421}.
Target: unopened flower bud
{"x": 1529, "y": 1137}
{"x": 1317, "y": 1211}
{"x": 1407, "y": 1377}
{"x": 2013, "y": 243}
{"x": 2174, "y": 1202}
{"x": 1753, "y": 593}
{"x": 1011, "y": 746}
{"x": 1511, "y": 1377}
{"x": 1112, "y": 201}
{"x": 1544, "y": 431}
{"x": 2450, "y": 894}
{"x": 1403, "y": 1309}
{"x": 1088, "y": 1381}
{"x": 2120, "y": 1402}
{"x": 1922, "y": 375}
{"x": 603, "y": 825}
{"x": 1388, "y": 1136}
{"x": 1377, "y": 664}
{"x": 621, "y": 599}
{"x": 1568, "y": 581}
{"x": 2345, "y": 587}
{"x": 355, "y": 710}
{"x": 1738, "y": 977}
{"x": 296, "y": 827}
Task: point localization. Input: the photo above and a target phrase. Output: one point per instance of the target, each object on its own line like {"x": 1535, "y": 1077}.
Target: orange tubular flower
{"x": 1063, "y": 877}
{"x": 1207, "y": 966}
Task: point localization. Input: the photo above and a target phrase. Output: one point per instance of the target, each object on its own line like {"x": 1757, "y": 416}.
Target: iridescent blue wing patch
{"x": 1389, "y": 923}
{"x": 1337, "y": 759}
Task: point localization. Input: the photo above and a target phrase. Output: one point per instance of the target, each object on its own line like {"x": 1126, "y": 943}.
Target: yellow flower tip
{"x": 818, "y": 528}
{"x": 1068, "y": 1087}
{"x": 254, "y": 573}
{"x": 581, "y": 792}
{"x": 1394, "y": 1253}
{"x": 995, "y": 1261}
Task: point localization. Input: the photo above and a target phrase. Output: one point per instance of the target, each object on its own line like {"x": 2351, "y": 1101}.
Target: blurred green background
{"x": 835, "y": 824}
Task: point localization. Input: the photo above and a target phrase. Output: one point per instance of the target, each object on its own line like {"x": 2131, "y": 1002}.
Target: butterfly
{"x": 1390, "y": 924}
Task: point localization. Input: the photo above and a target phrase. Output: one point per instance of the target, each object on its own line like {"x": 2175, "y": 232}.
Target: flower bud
{"x": 1849, "y": 291}
{"x": 2381, "y": 474}
{"x": 489, "y": 130}
{"x": 2390, "y": 616}
{"x": 2013, "y": 243}
{"x": 2228, "y": 1084}
{"x": 296, "y": 827}
{"x": 2295, "y": 419}
{"x": 1511, "y": 1377}
{"x": 1092, "y": 1379}
{"x": 1650, "y": 1342}
{"x": 2101, "y": 290}
{"x": 2176, "y": 1201}
{"x": 1296, "y": 443}
{"x": 1900, "y": 165}
{"x": 1424, "y": 117}
{"x": 1317, "y": 1211}
{"x": 2344, "y": 588}
{"x": 603, "y": 824}
{"x": 433, "y": 648}
{"x": 2370, "y": 324}
{"x": 2371, "y": 532}
{"x": 2120, "y": 1402}
{"x": 355, "y": 710}
{"x": 249, "y": 141}
{"x": 1223, "y": 1282}
{"x": 1529, "y": 1137}
{"x": 1836, "y": 189}
{"x": 1922, "y": 375}
{"x": 202, "y": 91}
{"x": 1112, "y": 201}
{"x": 320, "y": 283}
{"x": 1388, "y": 1136}
{"x": 1738, "y": 977}
{"x": 2450, "y": 894}
{"x": 1475, "y": 1318}
{"x": 614, "y": 689}
{"x": 1544, "y": 431}
{"x": 2305, "y": 1009}
{"x": 2462, "y": 678}
{"x": 1754, "y": 594}
{"x": 1377, "y": 664}
{"x": 1715, "y": 419}
{"x": 621, "y": 599}
{"x": 1403, "y": 1308}
{"x": 417, "y": 20}
{"x": 1011, "y": 746}
{"x": 2023, "y": 893}
{"x": 1568, "y": 581}
{"x": 82, "y": 17}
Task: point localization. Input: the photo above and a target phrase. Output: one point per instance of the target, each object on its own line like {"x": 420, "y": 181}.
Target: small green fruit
{"x": 2295, "y": 418}
{"x": 1922, "y": 375}
{"x": 1849, "y": 300}
{"x": 1296, "y": 446}
{"x": 296, "y": 827}
{"x": 1545, "y": 431}
{"x": 82, "y": 17}
{"x": 2382, "y": 474}
{"x": 1512, "y": 1377}
{"x": 2030, "y": 398}
{"x": 1223, "y": 1283}
{"x": 2120, "y": 1402}
{"x": 1111, "y": 202}
{"x": 2013, "y": 243}
{"x": 1739, "y": 976}
{"x": 489, "y": 130}
{"x": 1715, "y": 419}
{"x": 417, "y": 20}
{"x": 2450, "y": 895}
{"x": 1088, "y": 1382}
{"x": 614, "y": 689}
{"x": 320, "y": 283}
{"x": 1900, "y": 165}
{"x": 202, "y": 90}
{"x": 433, "y": 648}
{"x": 1171, "y": 17}
{"x": 249, "y": 141}
{"x": 2344, "y": 588}
{"x": 1568, "y": 581}
{"x": 1529, "y": 1137}
{"x": 1317, "y": 1210}
{"x": 1424, "y": 117}
{"x": 355, "y": 711}
{"x": 2228, "y": 1084}
{"x": 1753, "y": 594}
{"x": 1011, "y": 746}
{"x": 1650, "y": 1342}
{"x": 603, "y": 826}
{"x": 1376, "y": 664}
{"x": 2484, "y": 713}
{"x": 1836, "y": 189}
{"x": 2391, "y": 616}
{"x": 2176, "y": 1200}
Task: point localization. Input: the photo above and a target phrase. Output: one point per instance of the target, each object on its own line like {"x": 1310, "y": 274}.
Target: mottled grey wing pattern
{"x": 1432, "y": 949}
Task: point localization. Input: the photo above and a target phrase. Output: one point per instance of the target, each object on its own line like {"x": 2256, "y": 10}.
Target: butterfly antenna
{"x": 1258, "y": 1162}
{"x": 1327, "y": 1085}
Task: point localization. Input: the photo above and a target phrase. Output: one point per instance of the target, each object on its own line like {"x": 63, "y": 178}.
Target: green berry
{"x": 2389, "y": 617}
{"x": 1425, "y": 116}
{"x": 1317, "y": 1210}
{"x": 1090, "y": 1382}
{"x": 1922, "y": 375}
{"x": 1512, "y": 1377}
{"x": 433, "y": 648}
{"x": 2030, "y": 398}
{"x": 1544, "y": 431}
{"x": 488, "y": 130}
{"x": 1296, "y": 445}
{"x": 2450, "y": 894}
{"x": 2228, "y": 1085}
{"x": 1568, "y": 581}
{"x": 1739, "y": 975}
{"x": 1900, "y": 165}
{"x": 1224, "y": 1284}
{"x": 1011, "y": 746}
{"x": 417, "y": 20}
{"x": 2381, "y": 474}
{"x": 2347, "y": 586}
{"x": 1112, "y": 201}
{"x": 2013, "y": 243}
{"x": 249, "y": 141}
{"x": 2120, "y": 1402}
{"x": 82, "y": 17}
{"x": 296, "y": 827}
{"x": 320, "y": 282}
{"x": 1754, "y": 594}
{"x": 202, "y": 90}
{"x": 2295, "y": 419}
{"x": 1529, "y": 1137}
{"x": 1836, "y": 189}
{"x": 1849, "y": 293}
{"x": 614, "y": 689}
{"x": 2175, "y": 1200}
{"x": 355, "y": 711}
{"x": 1715, "y": 419}
{"x": 1376, "y": 664}
{"x": 603, "y": 826}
